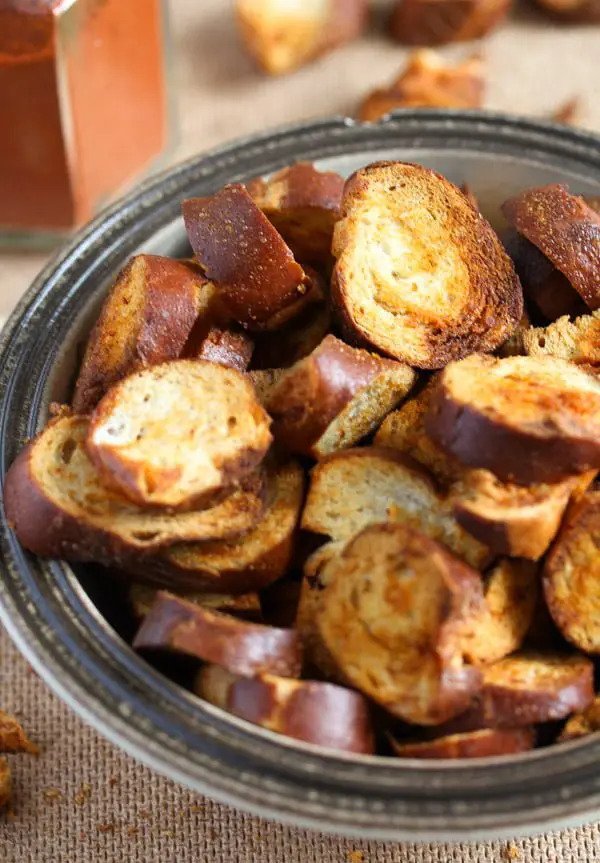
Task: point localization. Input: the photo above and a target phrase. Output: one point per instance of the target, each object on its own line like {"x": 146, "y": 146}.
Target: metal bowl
{"x": 66, "y": 624}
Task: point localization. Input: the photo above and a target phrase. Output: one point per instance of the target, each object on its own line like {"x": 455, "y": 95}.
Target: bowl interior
{"x": 70, "y": 626}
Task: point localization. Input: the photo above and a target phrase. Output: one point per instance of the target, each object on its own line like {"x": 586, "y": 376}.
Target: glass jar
{"x": 83, "y": 107}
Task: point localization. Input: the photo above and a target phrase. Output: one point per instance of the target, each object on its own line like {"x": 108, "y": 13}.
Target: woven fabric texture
{"x": 82, "y": 800}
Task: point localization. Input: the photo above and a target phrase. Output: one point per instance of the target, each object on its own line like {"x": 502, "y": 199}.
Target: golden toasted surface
{"x": 394, "y": 616}
{"x": 577, "y": 341}
{"x": 420, "y": 274}
{"x": 572, "y": 575}
{"x": 179, "y": 431}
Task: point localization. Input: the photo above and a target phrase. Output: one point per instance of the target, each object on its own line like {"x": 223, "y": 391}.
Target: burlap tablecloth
{"x": 82, "y": 800}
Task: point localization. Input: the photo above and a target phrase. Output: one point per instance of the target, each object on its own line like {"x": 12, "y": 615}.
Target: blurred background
{"x": 85, "y": 82}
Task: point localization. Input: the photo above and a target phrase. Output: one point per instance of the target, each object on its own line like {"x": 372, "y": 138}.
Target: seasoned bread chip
{"x": 175, "y": 434}
{"x": 511, "y": 593}
{"x": 59, "y": 507}
{"x": 394, "y": 616}
{"x": 572, "y": 575}
{"x": 5, "y": 783}
{"x": 468, "y": 744}
{"x": 437, "y": 22}
{"x": 282, "y": 35}
{"x": 315, "y": 580}
{"x": 13, "y": 737}
{"x": 420, "y": 274}
{"x": 333, "y": 398}
{"x": 259, "y": 281}
{"x": 428, "y": 81}
{"x": 146, "y": 319}
{"x": 304, "y": 205}
{"x": 248, "y": 562}
{"x": 404, "y": 430}
{"x": 240, "y": 646}
{"x": 245, "y": 605}
{"x": 226, "y": 348}
{"x": 577, "y": 341}
{"x": 548, "y": 292}
{"x": 582, "y": 724}
{"x": 358, "y": 487}
{"x": 263, "y": 381}
{"x": 529, "y": 687}
{"x": 527, "y": 419}
{"x": 308, "y": 710}
{"x": 566, "y": 230}
{"x": 520, "y": 521}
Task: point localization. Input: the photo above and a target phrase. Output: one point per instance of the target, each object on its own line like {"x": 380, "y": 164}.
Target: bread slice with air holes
{"x": 394, "y": 616}
{"x": 249, "y": 562}
{"x": 527, "y": 419}
{"x": 511, "y": 591}
{"x": 304, "y": 205}
{"x": 572, "y": 575}
{"x": 334, "y": 397}
{"x": 577, "y": 341}
{"x": 146, "y": 319}
{"x": 259, "y": 281}
{"x": 173, "y": 624}
{"x": 282, "y": 35}
{"x": 308, "y": 710}
{"x": 519, "y": 521}
{"x": 468, "y": 744}
{"x": 245, "y": 605}
{"x": 566, "y": 229}
{"x": 358, "y": 487}
{"x": 175, "y": 434}
{"x": 420, "y": 274}
{"x": 58, "y": 505}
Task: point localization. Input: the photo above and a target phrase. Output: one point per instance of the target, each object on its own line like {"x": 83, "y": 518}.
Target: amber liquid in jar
{"x": 83, "y": 106}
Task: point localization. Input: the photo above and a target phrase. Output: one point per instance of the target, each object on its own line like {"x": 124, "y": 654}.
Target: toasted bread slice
{"x": 468, "y": 744}
{"x": 282, "y": 35}
{"x": 245, "y": 605}
{"x": 308, "y": 710}
{"x": 394, "y": 616}
{"x": 13, "y": 737}
{"x": 226, "y": 348}
{"x": 333, "y": 398}
{"x": 175, "y": 434}
{"x": 428, "y": 81}
{"x": 263, "y": 381}
{"x": 548, "y": 292}
{"x": 404, "y": 430}
{"x": 520, "y": 521}
{"x": 431, "y": 22}
{"x": 582, "y": 724}
{"x": 511, "y": 591}
{"x": 572, "y": 575}
{"x": 304, "y": 205}
{"x": 315, "y": 580}
{"x": 5, "y": 783}
{"x": 294, "y": 341}
{"x": 527, "y": 419}
{"x": 420, "y": 274}
{"x": 566, "y": 230}
{"x": 249, "y": 562}
{"x": 577, "y": 341}
{"x": 146, "y": 319}
{"x": 259, "y": 281}
{"x": 59, "y": 507}
{"x": 242, "y": 647}
{"x": 529, "y": 687}
{"x": 353, "y": 489}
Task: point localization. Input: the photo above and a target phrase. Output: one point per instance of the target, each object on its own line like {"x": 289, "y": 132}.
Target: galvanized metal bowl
{"x": 67, "y": 625}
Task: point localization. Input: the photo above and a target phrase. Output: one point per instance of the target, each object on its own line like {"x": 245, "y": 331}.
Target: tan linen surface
{"x": 82, "y": 800}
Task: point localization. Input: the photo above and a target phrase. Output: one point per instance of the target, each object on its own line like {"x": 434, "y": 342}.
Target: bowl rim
{"x": 57, "y": 627}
